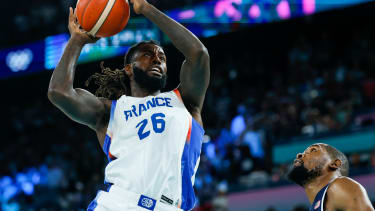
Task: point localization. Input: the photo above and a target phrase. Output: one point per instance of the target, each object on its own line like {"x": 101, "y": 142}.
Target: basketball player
{"x": 322, "y": 171}
{"x": 152, "y": 139}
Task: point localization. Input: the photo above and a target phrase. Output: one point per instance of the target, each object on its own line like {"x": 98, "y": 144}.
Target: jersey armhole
{"x": 109, "y": 133}
{"x": 178, "y": 94}
{"x": 324, "y": 197}
{"x": 111, "y": 119}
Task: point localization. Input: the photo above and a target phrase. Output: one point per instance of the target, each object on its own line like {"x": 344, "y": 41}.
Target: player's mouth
{"x": 156, "y": 71}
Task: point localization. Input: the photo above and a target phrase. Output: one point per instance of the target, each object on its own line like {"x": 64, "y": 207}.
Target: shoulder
{"x": 343, "y": 186}
{"x": 106, "y": 103}
{"x": 105, "y": 115}
{"x": 195, "y": 111}
{"x": 347, "y": 192}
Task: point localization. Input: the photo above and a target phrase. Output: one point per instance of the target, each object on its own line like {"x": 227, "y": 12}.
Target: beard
{"x": 147, "y": 82}
{"x": 301, "y": 175}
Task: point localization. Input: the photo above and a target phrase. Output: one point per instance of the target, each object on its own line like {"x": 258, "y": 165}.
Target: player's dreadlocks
{"x": 115, "y": 83}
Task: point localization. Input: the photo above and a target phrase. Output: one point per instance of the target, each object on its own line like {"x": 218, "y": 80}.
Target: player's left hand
{"x": 139, "y": 5}
{"x": 76, "y": 31}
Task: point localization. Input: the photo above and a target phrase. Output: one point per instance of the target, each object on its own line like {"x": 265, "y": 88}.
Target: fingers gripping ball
{"x": 103, "y": 18}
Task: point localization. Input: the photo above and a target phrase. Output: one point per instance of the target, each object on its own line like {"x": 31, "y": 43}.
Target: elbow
{"x": 55, "y": 95}
{"x": 52, "y": 95}
{"x": 58, "y": 91}
{"x": 201, "y": 54}
{"x": 202, "y": 51}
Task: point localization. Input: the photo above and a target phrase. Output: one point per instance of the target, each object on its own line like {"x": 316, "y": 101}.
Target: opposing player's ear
{"x": 336, "y": 164}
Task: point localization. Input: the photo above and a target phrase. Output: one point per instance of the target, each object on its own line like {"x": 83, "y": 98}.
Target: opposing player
{"x": 322, "y": 171}
{"x": 152, "y": 139}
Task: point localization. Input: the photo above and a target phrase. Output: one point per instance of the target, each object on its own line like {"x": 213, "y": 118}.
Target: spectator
{"x": 238, "y": 124}
{"x": 253, "y": 140}
{"x": 220, "y": 202}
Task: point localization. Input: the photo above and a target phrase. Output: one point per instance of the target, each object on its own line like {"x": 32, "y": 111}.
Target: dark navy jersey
{"x": 318, "y": 204}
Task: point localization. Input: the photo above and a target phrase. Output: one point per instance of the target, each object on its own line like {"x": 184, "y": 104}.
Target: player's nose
{"x": 156, "y": 60}
{"x": 299, "y": 156}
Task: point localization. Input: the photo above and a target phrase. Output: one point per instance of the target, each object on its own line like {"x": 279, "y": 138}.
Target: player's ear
{"x": 335, "y": 164}
{"x": 128, "y": 70}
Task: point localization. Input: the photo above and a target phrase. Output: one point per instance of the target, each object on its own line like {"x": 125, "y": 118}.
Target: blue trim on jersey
{"x": 106, "y": 145}
{"x": 318, "y": 201}
{"x": 189, "y": 159}
{"x": 107, "y": 186}
{"x": 113, "y": 107}
{"x": 93, "y": 204}
{"x": 107, "y": 140}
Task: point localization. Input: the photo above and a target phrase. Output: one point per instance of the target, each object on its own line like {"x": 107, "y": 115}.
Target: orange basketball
{"x": 103, "y": 18}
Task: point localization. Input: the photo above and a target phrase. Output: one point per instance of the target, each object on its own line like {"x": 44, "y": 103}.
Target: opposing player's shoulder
{"x": 346, "y": 193}
{"x": 345, "y": 183}
{"x": 343, "y": 186}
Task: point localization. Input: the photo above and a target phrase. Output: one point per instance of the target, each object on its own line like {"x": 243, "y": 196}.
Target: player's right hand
{"x": 76, "y": 31}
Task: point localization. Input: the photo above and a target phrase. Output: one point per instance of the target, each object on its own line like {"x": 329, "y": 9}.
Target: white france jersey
{"x": 153, "y": 146}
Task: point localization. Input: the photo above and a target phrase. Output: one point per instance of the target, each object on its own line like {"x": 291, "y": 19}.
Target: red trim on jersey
{"x": 189, "y": 132}
{"x": 178, "y": 94}
{"x": 111, "y": 156}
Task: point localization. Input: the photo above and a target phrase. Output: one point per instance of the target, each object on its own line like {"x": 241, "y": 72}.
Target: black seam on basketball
{"x": 84, "y": 10}
{"x": 107, "y": 15}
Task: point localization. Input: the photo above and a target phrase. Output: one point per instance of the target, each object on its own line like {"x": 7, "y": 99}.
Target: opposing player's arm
{"x": 79, "y": 104}
{"x": 195, "y": 71}
{"x": 347, "y": 194}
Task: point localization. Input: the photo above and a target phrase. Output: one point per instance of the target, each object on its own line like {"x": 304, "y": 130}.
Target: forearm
{"x": 63, "y": 75}
{"x": 185, "y": 41}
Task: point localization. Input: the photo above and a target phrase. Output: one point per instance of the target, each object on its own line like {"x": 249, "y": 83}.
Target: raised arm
{"x": 195, "y": 71}
{"x": 346, "y": 194}
{"x": 78, "y": 104}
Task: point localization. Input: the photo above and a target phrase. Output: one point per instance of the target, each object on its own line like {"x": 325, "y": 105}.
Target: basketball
{"x": 103, "y": 18}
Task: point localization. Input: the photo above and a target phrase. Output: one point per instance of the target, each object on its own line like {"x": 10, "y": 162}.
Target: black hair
{"x": 132, "y": 50}
{"x": 337, "y": 154}
{"x": 112, "y": 84}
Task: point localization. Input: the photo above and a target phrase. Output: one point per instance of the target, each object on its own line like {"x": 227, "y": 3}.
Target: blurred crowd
{"x": 38, "y": 18}
{"x": 322, "y": 86}
{"x": 316, "y": 87}
{"x": 48, "y": 157}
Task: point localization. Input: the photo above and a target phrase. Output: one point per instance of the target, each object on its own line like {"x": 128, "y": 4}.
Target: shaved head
{"x": 335, "y": 154}
{"x": 316, "y": 160}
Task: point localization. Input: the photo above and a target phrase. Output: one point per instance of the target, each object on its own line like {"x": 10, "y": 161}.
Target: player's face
{"x": 152, "y": 60}
{"x": 312, "y": 157}
{"x": 309, "y": 164}
{"x": 149, "y": 67}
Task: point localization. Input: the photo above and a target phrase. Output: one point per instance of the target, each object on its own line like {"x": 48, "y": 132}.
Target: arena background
{"x": 285, "y": 74}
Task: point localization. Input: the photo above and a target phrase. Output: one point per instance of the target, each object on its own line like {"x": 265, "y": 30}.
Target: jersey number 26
{"x": 158, "y": 125}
